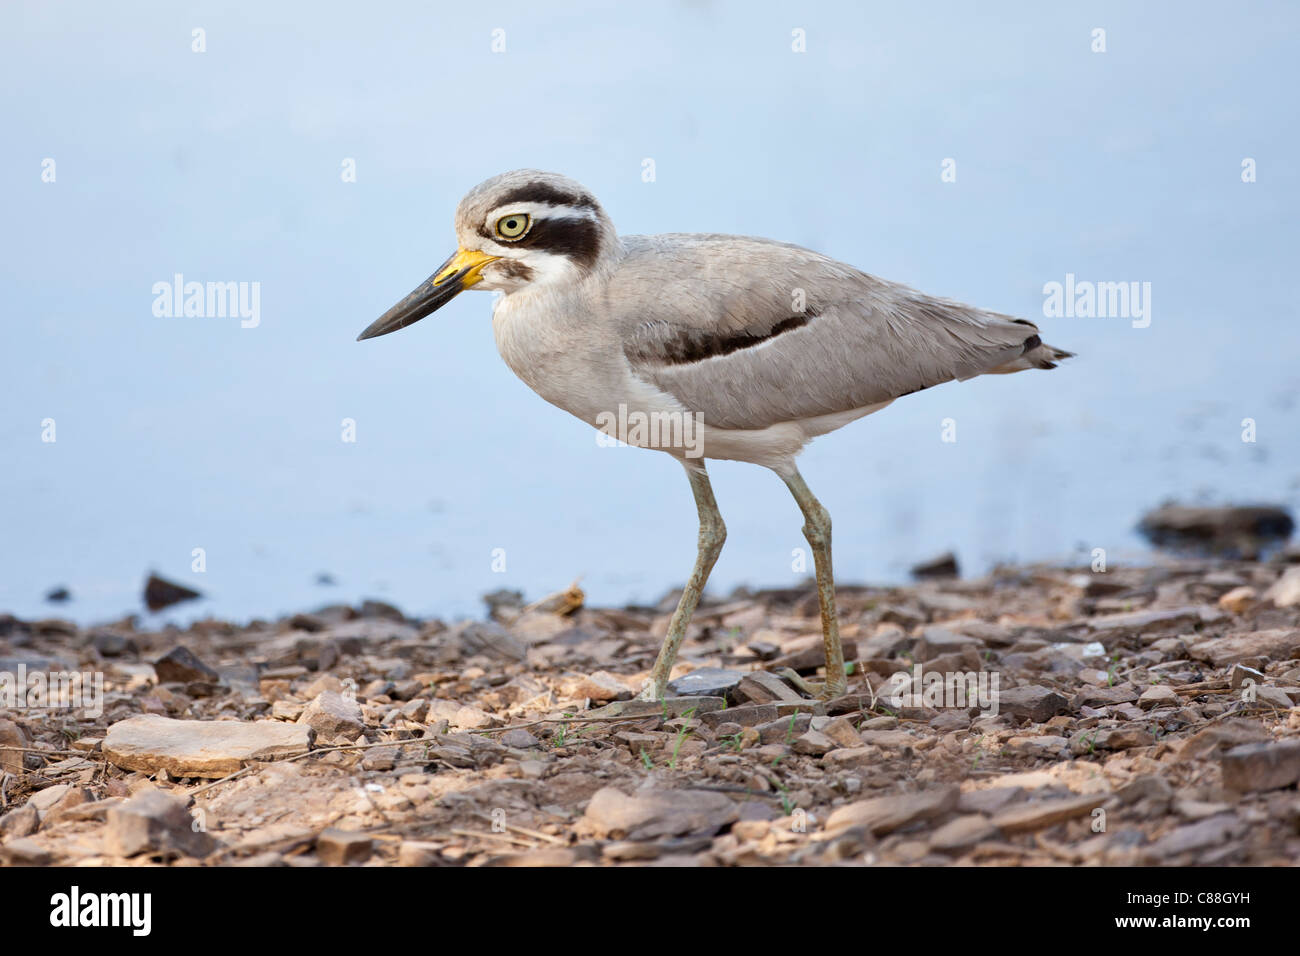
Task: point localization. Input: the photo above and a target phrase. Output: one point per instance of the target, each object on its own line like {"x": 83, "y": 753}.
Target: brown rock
{"x": 842, "y": 732}
{"x": 882, "y": 815}
{"x": 1239, "y": 600}
{"x": 649, "y": 814}
{"x": 19, "y": 823}
{"x": 1045, "y": 813}
{"x": 341, "y": 847}
{"x": 962, "y": 833}
{"x": 160, "y": 593}
{"x": 1033, "y": 702}
{"x": 156, "y": 823}
{"x": 1159, "y": 695}
{"x": 1262, "y": 766}
{"x": 331, "y": 715}
{"x": 814, "y": 743}
{"x": 761, "y": 687}
{"x": 198, "y": 748}
{"x": 181, "y": 665}
{"x": 1279, "y": 644}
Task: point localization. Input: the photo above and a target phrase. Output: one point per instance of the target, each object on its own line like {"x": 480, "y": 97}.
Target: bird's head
{"x": 522, "y": 229}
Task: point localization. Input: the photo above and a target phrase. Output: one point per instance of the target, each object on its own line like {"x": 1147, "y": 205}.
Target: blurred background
{"x": 228, "y": 165}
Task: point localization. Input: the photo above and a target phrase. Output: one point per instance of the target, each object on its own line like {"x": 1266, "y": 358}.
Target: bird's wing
{"x": 749, "y": 333}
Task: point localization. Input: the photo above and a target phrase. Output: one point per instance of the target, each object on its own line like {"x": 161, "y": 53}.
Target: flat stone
{"x": 25, "y": 852}
{"x": 749, "y": 715}
{"x": 1033, "y": 702}
{"x": 156, "y": 823}
{"x": 1278, "y": 644}
{"x": 847, "y": 758}
{"x": 962, "y": 833}
{"x": 181, "y": 665}
{"x": 842, "y": 732}
{"x": 705, "y": 682}
{"x": 814, "y": 743}
{"x": 1159, "y": 695}
{"x": 1221, "y": 737}
{"x": 881, "y": 815}
{"x": 1210, "y": 832}
{"x": 341, "y": 847}
{"x": 519, "y": 739}
{"x": 784, "y": 730}
{"x": 332, "y": 715}
{"x": 1262, "y": 766}
{"x": 888, "y": 739}
{"x": 650, "y": 814}
{"x": 200, "y": 748}
{"x": 1122, "y": 738}
{"x": 1045, "y": 813}
{"x": 761, "y": 687}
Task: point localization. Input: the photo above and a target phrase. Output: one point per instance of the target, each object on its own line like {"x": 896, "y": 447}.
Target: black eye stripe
{"x": 578, "y": 239}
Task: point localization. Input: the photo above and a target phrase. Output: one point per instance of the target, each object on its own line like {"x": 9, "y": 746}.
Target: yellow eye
{"x": 513, "y": 226}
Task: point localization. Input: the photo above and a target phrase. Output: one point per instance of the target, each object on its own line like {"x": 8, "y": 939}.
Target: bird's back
{"x": 750, "y": 332}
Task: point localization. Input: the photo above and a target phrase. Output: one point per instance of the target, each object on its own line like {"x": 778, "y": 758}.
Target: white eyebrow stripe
{"x": 541, "y": 210}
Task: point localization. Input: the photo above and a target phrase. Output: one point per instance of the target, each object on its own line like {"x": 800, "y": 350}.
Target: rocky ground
{"x": 1145, "y": 716}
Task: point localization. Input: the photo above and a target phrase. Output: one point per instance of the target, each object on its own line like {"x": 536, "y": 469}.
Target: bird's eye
{"x": 513, "y": 226}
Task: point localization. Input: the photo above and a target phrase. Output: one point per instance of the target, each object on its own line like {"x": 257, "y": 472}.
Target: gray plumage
{"x": 762, "y": 345}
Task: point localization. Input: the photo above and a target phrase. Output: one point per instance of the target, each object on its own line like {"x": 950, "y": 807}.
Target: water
{"x": 182, "y": 433}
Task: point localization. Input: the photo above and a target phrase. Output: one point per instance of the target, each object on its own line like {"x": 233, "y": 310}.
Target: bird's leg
{"x": 817, "y": 529}
{"x": 712, "y": 534}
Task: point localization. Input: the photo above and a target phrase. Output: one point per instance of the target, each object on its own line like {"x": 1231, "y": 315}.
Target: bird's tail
{"x": 1037, "y": 354}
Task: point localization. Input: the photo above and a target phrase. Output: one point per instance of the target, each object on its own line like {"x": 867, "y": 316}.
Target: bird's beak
{"x": 452, "y": 278}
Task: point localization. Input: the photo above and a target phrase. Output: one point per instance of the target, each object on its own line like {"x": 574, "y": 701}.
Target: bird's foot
{"x": 817, "y": 689}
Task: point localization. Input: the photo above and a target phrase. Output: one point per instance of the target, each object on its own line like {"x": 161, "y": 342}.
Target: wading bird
{"x": 761, "y": 345}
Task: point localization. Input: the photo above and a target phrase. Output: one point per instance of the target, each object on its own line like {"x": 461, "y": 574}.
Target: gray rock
{"x": 520, "y": 739}
{"x": 332, "y": 715}
{"x": 1261, "y": 766}
{"x": 156, "y": 823}
{"x": 1035, "y": 703}
{"x": 1278, "y": 644}
{"x": 181, "y": 665}
{"x": 646, "y": 815}
{"x": 761, "y": 687}
{"x": 705, "y": 682}
{"x": 881, "y": 815}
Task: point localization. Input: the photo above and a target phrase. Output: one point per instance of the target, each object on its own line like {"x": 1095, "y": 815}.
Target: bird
{"x": 735, "y": 347}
